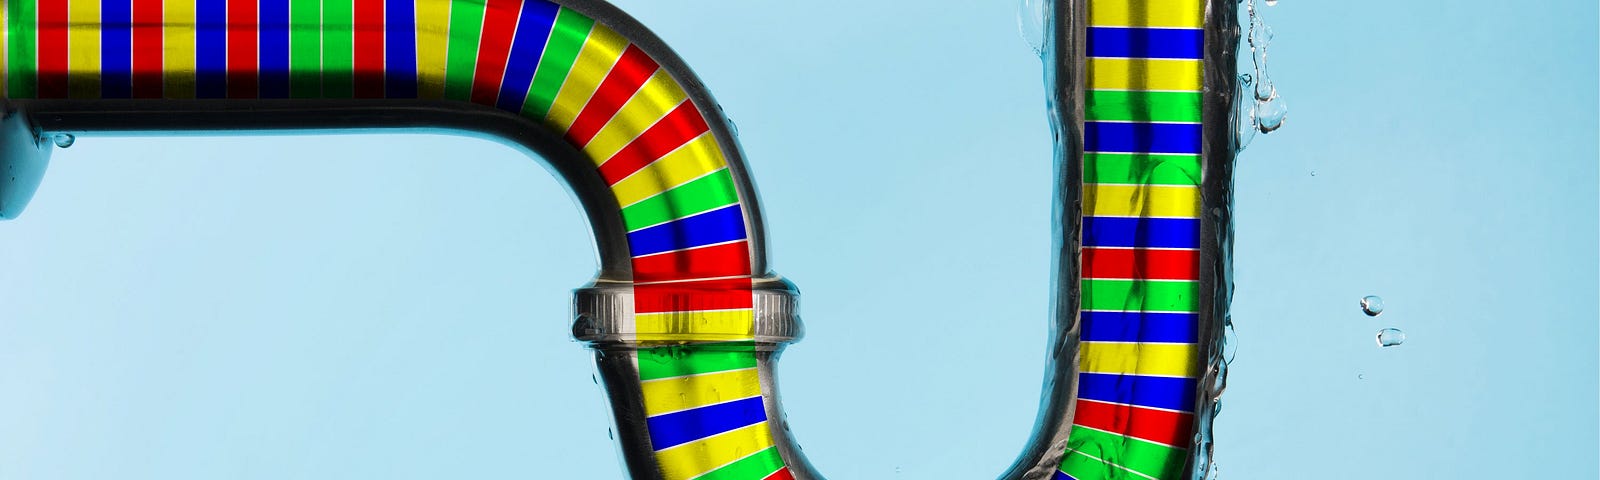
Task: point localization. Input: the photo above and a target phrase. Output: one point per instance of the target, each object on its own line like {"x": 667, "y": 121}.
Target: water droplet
{"x": 1390, "y": 337}
{"x": 1272, "y": 3}
{"x": 1265, "y": 111}
{"x": 610, "y": 434}
{"x": 63, "y": 140}
{"x": 1361, "y": 376}
{"x": 594, "y": 379}
{"x": 1372, "y": 305}
{"x": 1030, "y": 23}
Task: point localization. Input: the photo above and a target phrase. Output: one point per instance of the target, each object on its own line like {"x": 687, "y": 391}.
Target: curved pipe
{"x": 686, "y": 321}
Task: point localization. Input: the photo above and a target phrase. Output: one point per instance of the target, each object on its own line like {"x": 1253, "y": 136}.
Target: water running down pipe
{"x": 684, "y": 316}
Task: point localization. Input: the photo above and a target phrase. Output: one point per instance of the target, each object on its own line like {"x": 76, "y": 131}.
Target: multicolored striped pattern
{"x": 706, "y": 415}
{"x": 1139, "y": 356}
{"x": 604, "y": 94}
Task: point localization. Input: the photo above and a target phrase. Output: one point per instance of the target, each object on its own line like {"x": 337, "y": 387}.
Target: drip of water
{"x": 1372, "y": 305}
{"x": 1265, "y": 110}
{"x": 64, "y": 140}
{"x": 1390, "y": 337}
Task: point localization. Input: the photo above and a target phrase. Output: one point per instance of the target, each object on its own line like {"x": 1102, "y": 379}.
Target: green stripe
{"x": 759, "y": 465}
{"x": 1153, "y": 459}
{"x": 461, "y": 57}
{"x": 1142, "y": 106}
{"x": 1138, "y": 168}
{"x": 1141, "y": 295}
{"x": 566, "y": 39}
{"x": 305, "y": 49}
{"x": 338, "y": 44}
{"x": 1084, "y": 468}
{"x": 680, "y": 360}
{"x": 702, "y": 194}
{"x": 20, "y": 69}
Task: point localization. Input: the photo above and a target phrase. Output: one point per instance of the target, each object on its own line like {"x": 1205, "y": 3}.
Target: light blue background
{"x": 395, "y": 306}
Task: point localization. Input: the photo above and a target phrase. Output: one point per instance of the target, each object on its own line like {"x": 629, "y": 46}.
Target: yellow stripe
{"x": 683, "y": 393}
{"x": 659, "y": 95}
{"x": 433, "y": 42}
{"x": 5, "y": 44}
{"x": 717, "y": 325}
{"x": 83, "y": 48}
{"x": 1141, "y": 201}
{"x": 1147, "y": 13}
{"x": 1143, "y": 74}
{"x": 599, "y": 53}
{"x": 686, "y": 461}
{"x": 177, "y": 48}
{"x": 1169, "y": 359}
{"x": 693, "y": 160}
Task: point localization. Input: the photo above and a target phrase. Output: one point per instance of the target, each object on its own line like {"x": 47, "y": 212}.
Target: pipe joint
{"x": 611, "y": 315}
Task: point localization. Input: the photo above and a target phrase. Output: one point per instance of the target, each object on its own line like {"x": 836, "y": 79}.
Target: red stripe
{"x": 1140, "y": 264}
{"x": 1160, "y": 426}
{"x": 690, "y": 296}
{"x": 678, "y": 127}
{"x": 630, "y": 72}
{"x": 52, "y": 50}
{"x": 147, "y": 49}
{"x": 499, "y": 26}
{"x": 368, "y": 58}
{"x": 242, "y": 41}
{"x": 781, "y": 474}
{"x": 724, "y": 260}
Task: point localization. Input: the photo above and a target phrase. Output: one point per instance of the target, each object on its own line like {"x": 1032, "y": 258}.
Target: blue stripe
{"x": 1141, "y": 137}
{"x": 678, "y": 428}
{"x": 1140, "y": 327}
{"x": 274, "y": 56}
{"x": 116, "y": 49}
{"x": 211, "y": 49}
{"x": 1146, "y": 42}
{"x": 533, "y": 30}
{"x": 1060, "y": 475}
{"x": 400, "y": 49}
{"x": 1141, "y": 232}
{"x": 1159, "y": 392}
{"x": 725, "y": 224}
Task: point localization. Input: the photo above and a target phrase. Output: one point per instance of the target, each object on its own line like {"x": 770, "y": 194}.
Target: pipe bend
{"x": 684, "y": 316}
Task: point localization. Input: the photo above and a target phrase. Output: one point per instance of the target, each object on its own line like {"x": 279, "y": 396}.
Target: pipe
{"x": 685, "y": 319}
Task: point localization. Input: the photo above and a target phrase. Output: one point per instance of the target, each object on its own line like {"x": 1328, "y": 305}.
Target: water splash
{"x": 1263, "y": 108}
{"x": 1030, "y": 23}
{"x": 1390, "y": 337}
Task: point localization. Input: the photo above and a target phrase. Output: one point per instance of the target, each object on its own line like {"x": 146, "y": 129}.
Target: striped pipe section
{"x": 705, "y": 413}
{"x": 1139, "y": 352}
{"x": 585, "y": 81}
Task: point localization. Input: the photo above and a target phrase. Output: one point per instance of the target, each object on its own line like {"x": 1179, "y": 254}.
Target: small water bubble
{"x": 1390, "y": 337}
{"x": 1361, "y": 376}
{"x": 1372, "y": 305}
{"x": 63, "y": 140}
{"x": 1030, "y": 23}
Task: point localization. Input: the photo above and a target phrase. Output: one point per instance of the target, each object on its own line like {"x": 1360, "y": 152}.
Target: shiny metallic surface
{"x": 603, "y": 316}
{"x": 1216, "y": 226}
